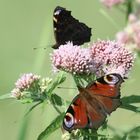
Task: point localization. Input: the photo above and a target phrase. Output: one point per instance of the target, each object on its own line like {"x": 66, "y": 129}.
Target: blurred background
{"x": 28, "y": 24}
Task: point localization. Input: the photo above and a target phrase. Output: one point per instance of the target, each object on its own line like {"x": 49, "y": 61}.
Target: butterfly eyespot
{"x": 111, "y": 79}
{"x": 68, "y": 120}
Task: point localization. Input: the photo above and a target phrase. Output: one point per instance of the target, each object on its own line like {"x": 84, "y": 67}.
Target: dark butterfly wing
{"x": 67, "y": 28}
{"x": 89, "y": 109}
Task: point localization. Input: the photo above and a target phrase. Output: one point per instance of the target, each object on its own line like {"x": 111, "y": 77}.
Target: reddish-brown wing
{"x": 90, "y": 108}
{"x": 106, "y": 90}
{"x": 76, "y": 116}
{"x": 108, "y": 85}
{"x": 81, "y": 115}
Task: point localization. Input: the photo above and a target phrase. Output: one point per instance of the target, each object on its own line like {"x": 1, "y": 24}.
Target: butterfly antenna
{"x": 44, "y": 48}
{"x": 66, "y": 88}
{"x": 39, "y": 48}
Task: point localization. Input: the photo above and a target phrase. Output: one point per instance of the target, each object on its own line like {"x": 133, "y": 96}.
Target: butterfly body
{"x": 67, "y": 28}
{"x": 91, "y": 106}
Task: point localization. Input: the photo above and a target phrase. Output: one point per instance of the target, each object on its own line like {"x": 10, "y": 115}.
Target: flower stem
{"x": 89, "y": 134}
{"x": 129, "y": 5}
{"x": 56, "y": 108}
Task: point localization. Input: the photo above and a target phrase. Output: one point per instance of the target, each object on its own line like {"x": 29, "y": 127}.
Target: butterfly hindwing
{"x": 82, "y": 115}
{"x": 67, "y": 28}
{"x": 76, "y": 116}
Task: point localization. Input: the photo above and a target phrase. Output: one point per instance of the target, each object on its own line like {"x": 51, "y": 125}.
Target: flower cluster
{"x": 131, "y": 33}
{"x": 72, "y": 59}
{"x": 111, "y": 57}
{"x": 110, "y": 3}
{"x": 103, "y": 57}
{"x": 44, "y": 83}
{"x": 26, "y": 81}
{"x": 30, "y": 86}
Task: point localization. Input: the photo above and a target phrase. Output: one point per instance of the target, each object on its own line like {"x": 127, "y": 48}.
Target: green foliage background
{"x": 27, "y": 24}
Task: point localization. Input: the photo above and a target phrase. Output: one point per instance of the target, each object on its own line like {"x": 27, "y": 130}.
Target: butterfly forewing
{"x": 104, "y": 87}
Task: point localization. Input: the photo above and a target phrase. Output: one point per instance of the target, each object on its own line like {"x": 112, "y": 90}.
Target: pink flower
{"x": 110, "y": 3}
{"x": 101, "y": 58}
{"x": 131, "y": 34}
{"x": 30, "y": 87}
{"x": 25, "y": 85}
{"x": 136, "y": 33}
{"x": 111, "y": 57}
{"x": 26, "y": 81}
{"x": 122, "y": 37}
{"x": 72, "y": 59}
{"x": 132, "y": 18}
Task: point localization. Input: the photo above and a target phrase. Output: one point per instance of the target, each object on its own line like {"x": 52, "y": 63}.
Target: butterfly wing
{"x": 81, "y": 114}
{"x": 108, "y": 86}
{"x": 67, "y": 28}
{"x": 90, "y": 108}
{"x": 106, "y": 90}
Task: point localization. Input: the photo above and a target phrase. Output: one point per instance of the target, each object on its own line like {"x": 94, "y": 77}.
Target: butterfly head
{"x": 60, "y": 14}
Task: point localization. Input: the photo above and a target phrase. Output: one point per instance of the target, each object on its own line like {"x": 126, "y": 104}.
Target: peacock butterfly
{"x": 91, "y": 106}
{"x": 67, "y": 28}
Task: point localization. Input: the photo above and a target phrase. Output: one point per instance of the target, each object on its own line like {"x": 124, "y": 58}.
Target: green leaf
{"x": 116, "y": 136}
{"x": 56, "y": 100}
{"x": 30, "y": 109}
{"x": 6, "y": 96}
{"x": 131, "y": 99}
{"x": 60, "y": 78}
{"x": 91, "y": 134}
{"x": 131, "y": 108}
{"x": 57, "y": 81}
{"x": 133, "y": 134}
{"x": 127, "y": 101}
{"x": 138, "y": 54}
{"x": 56, "y": 123}
{"x": 23, "y": 129}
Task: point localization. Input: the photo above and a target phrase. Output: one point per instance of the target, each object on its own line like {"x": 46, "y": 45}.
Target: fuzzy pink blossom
{"x": 111, "y": 57}
{"x": 26, "y": 80}
{"x": 72, "y": 59}
{"x": 132, "y": 18}
{"x": 122, "y": 37}
{"x": 131, "y": 34}
{"x": 24, "y": 83}
{"x": 30, "y": 87}
{"x": 110, "y": 3}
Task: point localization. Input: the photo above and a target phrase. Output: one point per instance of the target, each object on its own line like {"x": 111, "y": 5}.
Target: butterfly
{"x": 67, "y": 28}
{"x": 91, "y": 106}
